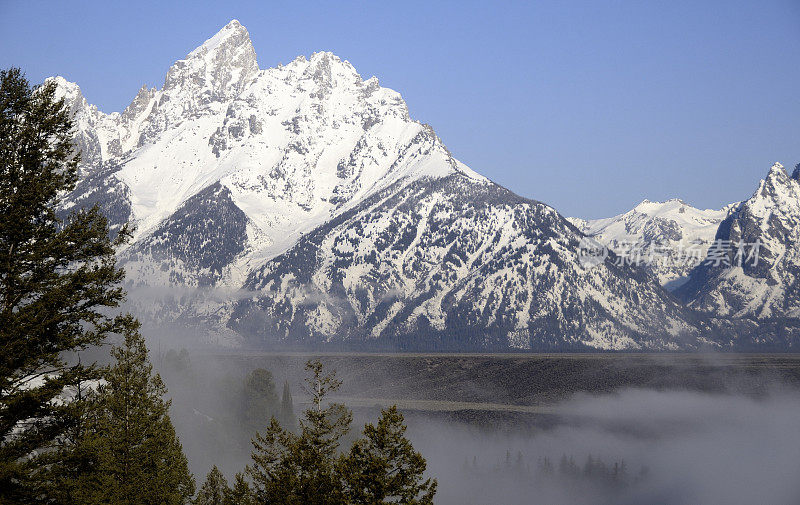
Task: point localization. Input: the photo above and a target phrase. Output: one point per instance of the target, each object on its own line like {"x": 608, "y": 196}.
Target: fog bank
{"x": 678, "y": 448}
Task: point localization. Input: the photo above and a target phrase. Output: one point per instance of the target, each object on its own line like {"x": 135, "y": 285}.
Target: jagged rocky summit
{"x": 757, "y": 274}
{"x": 303, "y": 206}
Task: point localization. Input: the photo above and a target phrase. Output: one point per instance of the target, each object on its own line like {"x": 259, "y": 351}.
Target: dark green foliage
{"x": 240, "y": 493}
{"x": 129, "y": 438}
{"x": 383, "y": 467}
{"x": 76, "y": 475}
{"x": 214, "y": 490}
{"x": 260, "y": 398}
{"x": 307, "y": 467}
{"x": 288, "y": 419}
{"x": 177, "y": 362}
{"x": 57, "y": 282}
{"x": 300, "y": 469}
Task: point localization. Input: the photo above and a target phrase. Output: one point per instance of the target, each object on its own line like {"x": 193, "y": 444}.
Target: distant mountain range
{"x": 302, "y": 206}
{"x": 682, "y": 232}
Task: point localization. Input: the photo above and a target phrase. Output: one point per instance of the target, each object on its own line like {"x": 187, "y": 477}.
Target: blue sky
{"x": 588, "y": 106}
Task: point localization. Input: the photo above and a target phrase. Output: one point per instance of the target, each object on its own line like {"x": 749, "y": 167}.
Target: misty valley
{"x": 265, "y": 280}
{"x": 520, "y": 429}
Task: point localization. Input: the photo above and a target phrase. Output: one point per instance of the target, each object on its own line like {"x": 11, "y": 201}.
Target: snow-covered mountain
{"x": 452, "y": 263}
{"x": 670, "y": 238}
{"x": 289, "y": 147}
{"x": 757, "y": 271}
{"x": 305, "y": 205}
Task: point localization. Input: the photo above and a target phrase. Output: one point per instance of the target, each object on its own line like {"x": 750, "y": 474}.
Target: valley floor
{"x": 521, "y": 382}
{"x": 541, "y": 429}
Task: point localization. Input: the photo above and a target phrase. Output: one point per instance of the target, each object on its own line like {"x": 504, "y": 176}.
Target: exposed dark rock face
{"x": 198, "y": 241}
{"x": 101, "y": 187}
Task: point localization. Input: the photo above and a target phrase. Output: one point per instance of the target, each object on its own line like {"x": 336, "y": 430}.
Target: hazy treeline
{"x": 593, "y": 471}
{"x": 678, "y": 447}
{"x": 311, "y": 465}
{"x": 631, "y": 446}
{"x": 218, "y": 411}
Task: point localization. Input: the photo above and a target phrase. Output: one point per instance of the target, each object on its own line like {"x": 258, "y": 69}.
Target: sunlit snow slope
{"x": 677, "y": 234}
{"x": 292, "y": 146}
{"x": 319, "y": 211}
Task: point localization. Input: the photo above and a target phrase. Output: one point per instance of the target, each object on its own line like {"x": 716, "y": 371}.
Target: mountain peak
{"x": 301, "y": 185}
{"x": 232, "y": 34}
{"x": 777, "y": 167}
{"x": 70, "y": 92}
{"x": 139, "y": 104}
{"x": 65, "y": 88}
{"x": 776, "y": 176}
{"x": 776, "y": 191}
{"x": 646, "y": 206}
{"x": 766, "y": 287}
{"x": 219, "y": 67}
{"x": 796, "y": 173}
{"x": 328, "y": 58}
{"x": 326, "y": 69}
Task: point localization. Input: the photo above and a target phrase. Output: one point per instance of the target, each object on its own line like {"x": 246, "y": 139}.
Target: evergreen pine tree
{"x": 214, "y": 490}
{"x": 589, "y": 466}
{"x": 563, "y": 466}
{"x": 76, "y": 477}
{"x": 300, "y": 469}
{"x": 240, "y": 493}
{"x": 57, "y": 281}
{"x": 288, "y": 420}
{"x": 383, "y": 467}
{"x": 260, "y": 397}
{"x": 139, "y": 460}
{"x": 546, "y": 466}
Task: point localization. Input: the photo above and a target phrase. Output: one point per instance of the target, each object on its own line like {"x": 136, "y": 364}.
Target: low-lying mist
{"x": 631, "y": 446}
{"x": 677, "y": 448}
